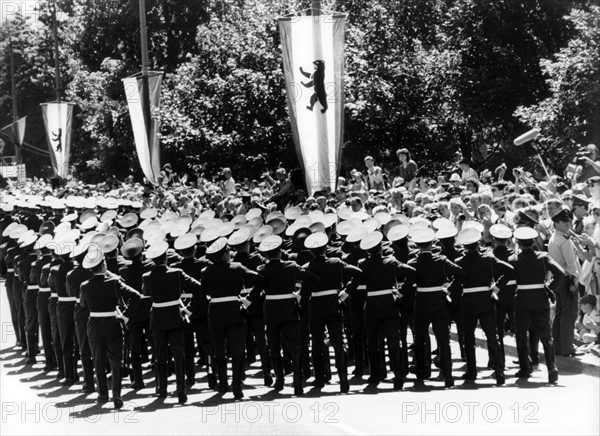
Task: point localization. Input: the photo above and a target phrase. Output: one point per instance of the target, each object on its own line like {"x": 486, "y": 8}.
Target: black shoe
{"x": 373, "y": 380}
{"x": 358, "y": 372}
{"x": 449, "y": 383}
{"x": 31, "y": 361}
{"x": 298, "y": 391}
{"x": 138, "y": 386}
{"x": 162, "y": 394}
{"x": 60, "y": 375}
{"x": 268, "y": 380}
{"x": 500, "y": 379}
{"x": 318, "y": 383}
{"x": 118, "y": 403}
{"x": 237, "y": 392}
{"x": 523, "y": 373}
{"x": 278, "y": 386}
{"x": 49, "y": 368}
{"x": 68, "y": 382}
{"x": 182, "y": 397}
{"x": 553, "y": 376}
{"x": 102, "y": 399}
{"x": 344, "y": 386}
{"x": 398, "y": 384}
{"x": 535, "y": 362}
{"x": 189, "y": 383}
{"x": 223, "y": 387}
{"x": 469, "y": 376}
{"x": 212, "y": 381}
{"x": 89, "y": 388}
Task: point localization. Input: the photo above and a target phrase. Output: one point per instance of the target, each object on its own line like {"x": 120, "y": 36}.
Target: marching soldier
{"x": 280, "y": 310}
{"x": 43, "y": 295}
{"x": 324, "y": 308}
{"x": 30, "y": 292}
{"x": 81, "y": 315}
{"x": 223, "y": 281}
{"x": 431, "y": 305}
{"x": 139, "y": 321}
{"x": 381, "y": 276}
{"x": 186, "y": 247}
{"x": 240, "y": 242}
{"x": 532, "y": 306}
{"x": 101, "y": 295}
{"x": 164, "y": 285}
{"x": 477, "y": 302}
{"x": 48, "y": 276}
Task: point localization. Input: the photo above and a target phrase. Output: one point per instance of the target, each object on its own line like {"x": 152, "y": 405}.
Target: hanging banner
{"x": 313, "y": 64}
{"x": 15, "y": 132}
{"x": 145, "y": 131}
{"x": 58, "y": 118}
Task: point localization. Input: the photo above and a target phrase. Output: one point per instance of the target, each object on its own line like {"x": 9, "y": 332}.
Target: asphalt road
{"x": 33, "y": 402}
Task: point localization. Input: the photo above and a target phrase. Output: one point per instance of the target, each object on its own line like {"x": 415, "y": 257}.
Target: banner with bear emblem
{"x": 313, "y": 64}
{"x": 58, "y": 118}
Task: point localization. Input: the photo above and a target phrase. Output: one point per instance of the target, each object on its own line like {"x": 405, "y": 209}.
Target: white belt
{"x": 167, "y": 304}
{"x": 144, "y": 297}
{"x": 245, "y": 291}
{"x": 53, "y": 295}
{"x": 12, "y": 270}
{"x": 323, "y": 293}
{"x": 44, "y": 289}
{"x": 103, "y": 314}
{"x": 476, "y": 289}
{"x": 378, "y": 293}
{"x": 536, "y": 286}
{"x": 32, "y": 287}
{"x": 68, "y": 299}
{"x": 187, "y": 295}
{"x": 511, "y": 283}
{"x": 224, "y": 299}
{"x": 279, "y": 297}
{"x": 361, "y": 288}
{"x": 430, "y": 289}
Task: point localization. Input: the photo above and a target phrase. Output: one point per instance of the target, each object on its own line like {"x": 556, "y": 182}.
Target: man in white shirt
{"x": 228, "y": 185}
{"x": 562, "y": 250}
{"x": 468, "y": 173}
{"x": 374, "y": 175}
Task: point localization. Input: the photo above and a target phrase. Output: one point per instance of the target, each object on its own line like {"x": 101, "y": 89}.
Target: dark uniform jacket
{"x": 59, "y": 274}
{"x": 531, "y": 268}
{"x": 75, "y": 278}
{"x": 132, "y": 273}
{"x": 164, "y": 284}
{"x": 479, "y": 272}
{"x": 334, "y": 274}
{"x": 227, "y": 279}
{"x": 281, "y": 278}
{"x": 506, "y": 296}
{"x": 433, "y": 270}
{"x": 252, "y": 261}
{"x": 383, "y": 273}
{"x": 193, "y": 267}
{"x": 103, "y": 293}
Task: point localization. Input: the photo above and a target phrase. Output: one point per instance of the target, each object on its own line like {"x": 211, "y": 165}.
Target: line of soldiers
{"x": 110, "y": 284}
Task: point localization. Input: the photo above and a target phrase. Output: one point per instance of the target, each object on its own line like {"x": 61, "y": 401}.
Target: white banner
{"x": 313, "y": 59}
{"x": 146, "y": 139}
{"x": 58, "y": 118}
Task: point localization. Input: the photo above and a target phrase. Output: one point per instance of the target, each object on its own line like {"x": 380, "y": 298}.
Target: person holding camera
{"x": 589, "y": 161}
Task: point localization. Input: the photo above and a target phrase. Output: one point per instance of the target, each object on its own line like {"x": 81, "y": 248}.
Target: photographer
{"x": 590, "y": 162}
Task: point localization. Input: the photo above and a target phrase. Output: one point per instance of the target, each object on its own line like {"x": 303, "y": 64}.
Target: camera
{"x": 462, "y": 217}
{"x": 220, "y": 177}
{"x": 580, "y": 157}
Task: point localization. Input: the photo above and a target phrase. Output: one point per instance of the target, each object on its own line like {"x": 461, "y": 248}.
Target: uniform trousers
{"x": 46, "y": 329}
{"x": 540, "y": 321}
{"x": 440, "y": 321}
{"x": 111, "y": 348}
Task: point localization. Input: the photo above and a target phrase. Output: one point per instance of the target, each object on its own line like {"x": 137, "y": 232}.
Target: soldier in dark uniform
{"x": 81, "y": 315}
{"x": 477, "y": 302}
{"x": 10, "y": 251}
{"x": 280, "y": 308}
{"x": 198, "y": 306}
{"x": 48, "y": 276}
{"x": 240, "y": 242}
{"x": 356, "y": 303}
{"x": 42, "y": 299}
{"x": 165, "y": 285}
{"x": 139, "y": 321}
{"x": 532, "y": 306}
{"x": 101, "y": 295}
{"x": 381, "y": 276}
{"x": 431, "y": 305}
{"x": 30, "y": 292}
{"x": 323, "y": 307}
{"x": 12, "y": 259}
{"x": 506, "y": 295}
{"x": 223, "y": 281}
{"x": 65, "y": 311}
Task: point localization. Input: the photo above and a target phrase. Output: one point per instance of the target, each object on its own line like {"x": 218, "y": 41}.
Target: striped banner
{"x": 58, "y": 118}
{"x": 313, "y": 64}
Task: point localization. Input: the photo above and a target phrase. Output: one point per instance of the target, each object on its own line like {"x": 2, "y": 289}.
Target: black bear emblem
{"x": 318, "y": 83}
{"x": 57, "y": 137}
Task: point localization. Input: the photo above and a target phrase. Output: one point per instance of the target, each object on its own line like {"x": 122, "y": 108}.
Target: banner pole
{"x": 18, "y": 152}
{"x": 56, "y": 60}
{"x": 145, "y": 81}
